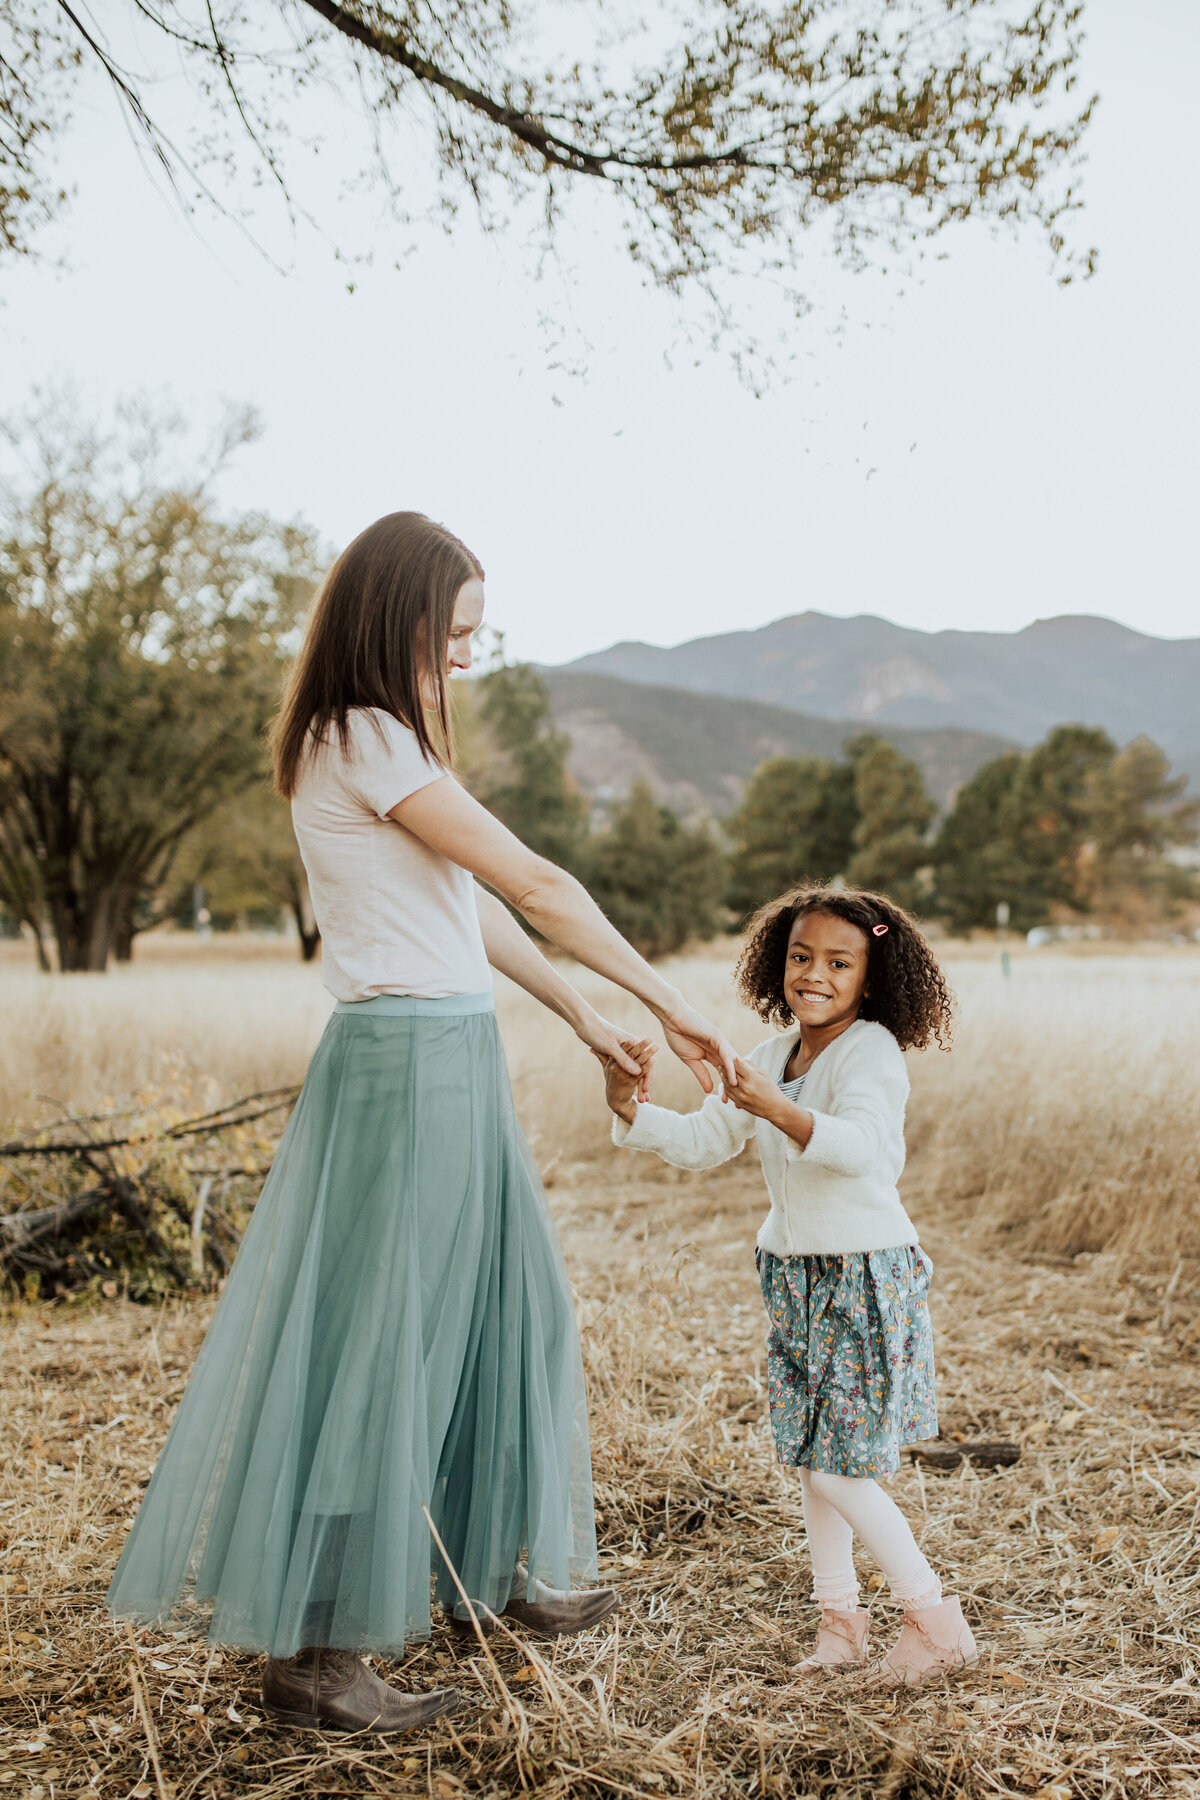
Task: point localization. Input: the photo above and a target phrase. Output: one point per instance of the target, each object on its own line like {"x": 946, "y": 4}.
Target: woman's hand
{"x": 621, "y": 1089}
{"x": 697, "y": 1043}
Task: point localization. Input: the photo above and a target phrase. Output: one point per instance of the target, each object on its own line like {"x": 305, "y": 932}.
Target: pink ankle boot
{"x": 842, "y": 1638}
{"x": 932, "y": 1642}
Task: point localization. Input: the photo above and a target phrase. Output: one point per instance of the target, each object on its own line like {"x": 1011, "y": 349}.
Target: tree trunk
{"x": 310, "y": 935}
{"x": 34, "y": 927}
{"x": 67, "y": 936}
{"x": 84, "y": 928}
{"x": 102, "y": 923}
{"x": 306, "y": 925}
{"x": 124, "y": 929}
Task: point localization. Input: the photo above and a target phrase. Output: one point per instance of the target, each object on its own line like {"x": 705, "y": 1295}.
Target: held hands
{"x": 620, "y": 1049}
{"x": 628, "y": 1061}
{"x": 620, "y": 1089}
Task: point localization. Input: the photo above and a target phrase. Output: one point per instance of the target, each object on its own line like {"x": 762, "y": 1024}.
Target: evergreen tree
{"x": 894, "y": 815}
{"x": 1137, "y": 815}
{"x": 974, "y": 868}
{"x": 517, "y": 765}
{"x": 796, "y": 823}
{"x": 1046, "y": 827}
{"x": 1073, "y": 825}
{"x": 658, "y": 880}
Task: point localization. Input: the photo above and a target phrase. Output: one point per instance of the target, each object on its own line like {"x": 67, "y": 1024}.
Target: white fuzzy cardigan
{"x": 836, "y": 1196}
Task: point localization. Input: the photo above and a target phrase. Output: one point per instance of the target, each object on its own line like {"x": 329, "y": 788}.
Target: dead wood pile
{"x": 136, "y": 1202}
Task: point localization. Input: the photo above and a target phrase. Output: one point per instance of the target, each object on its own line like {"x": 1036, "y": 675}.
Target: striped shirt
{"x": 791, "y": 1089}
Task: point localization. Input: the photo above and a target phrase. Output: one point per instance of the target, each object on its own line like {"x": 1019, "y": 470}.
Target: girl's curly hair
{"x": 906, "y": 990}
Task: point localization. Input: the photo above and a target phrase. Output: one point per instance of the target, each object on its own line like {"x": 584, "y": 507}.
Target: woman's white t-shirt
{"x": 395, "y": 917}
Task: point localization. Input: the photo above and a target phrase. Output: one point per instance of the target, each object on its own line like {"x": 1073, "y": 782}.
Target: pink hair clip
{"x": 878, "y": 930}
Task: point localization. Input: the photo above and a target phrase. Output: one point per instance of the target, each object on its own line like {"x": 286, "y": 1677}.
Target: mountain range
{"x": 695, "y": 718}
{"x": 698, "y": 750}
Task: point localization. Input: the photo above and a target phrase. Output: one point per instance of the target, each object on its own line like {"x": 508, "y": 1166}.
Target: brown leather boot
{"x": 554, "y": 1613}
{"x": 333, "y": 1690}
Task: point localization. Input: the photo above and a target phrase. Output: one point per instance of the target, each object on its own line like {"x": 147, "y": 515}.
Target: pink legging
{"x": 839, "y": 1508}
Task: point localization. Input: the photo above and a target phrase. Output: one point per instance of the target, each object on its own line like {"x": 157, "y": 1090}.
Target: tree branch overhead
{"x": 721, "y": 147}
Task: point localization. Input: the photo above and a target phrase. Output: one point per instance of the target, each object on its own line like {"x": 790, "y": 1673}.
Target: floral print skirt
{"x": 849, "y": 1358}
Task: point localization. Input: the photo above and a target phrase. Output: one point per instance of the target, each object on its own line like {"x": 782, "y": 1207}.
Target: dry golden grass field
{"x": 1055, "y": 1176}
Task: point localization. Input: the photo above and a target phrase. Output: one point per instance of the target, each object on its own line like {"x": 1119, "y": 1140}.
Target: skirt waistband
{"x": 408, "y": 1006}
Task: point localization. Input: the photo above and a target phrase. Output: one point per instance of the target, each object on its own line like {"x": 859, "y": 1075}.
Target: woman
{"x": 396, "y": 1337}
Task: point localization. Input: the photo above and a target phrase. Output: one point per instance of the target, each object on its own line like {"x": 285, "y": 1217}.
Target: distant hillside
{"x": 1016, "y": 685}
{"x": 697, "y": 750}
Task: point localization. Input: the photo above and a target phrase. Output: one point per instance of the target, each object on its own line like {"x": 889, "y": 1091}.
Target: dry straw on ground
{"x": 1068, "y": 1115}
{"x": 1079, "y": 1567}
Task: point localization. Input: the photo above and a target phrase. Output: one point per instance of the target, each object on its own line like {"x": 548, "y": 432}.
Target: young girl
{"x": 853, "y": 984}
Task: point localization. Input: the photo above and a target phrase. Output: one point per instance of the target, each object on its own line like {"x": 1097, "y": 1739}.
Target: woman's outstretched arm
{"x": 510, "y": 950}
{"x": 444, "y": 816}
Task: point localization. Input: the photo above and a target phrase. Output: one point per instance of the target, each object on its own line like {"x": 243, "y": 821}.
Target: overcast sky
{"x": 979, "y": 450}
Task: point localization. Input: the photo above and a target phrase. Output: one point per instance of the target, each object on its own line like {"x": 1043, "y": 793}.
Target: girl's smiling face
{"x": 826, "y": 971}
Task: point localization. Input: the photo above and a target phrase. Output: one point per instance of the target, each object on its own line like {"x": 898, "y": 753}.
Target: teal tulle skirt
{"x": 397, "y": 1331}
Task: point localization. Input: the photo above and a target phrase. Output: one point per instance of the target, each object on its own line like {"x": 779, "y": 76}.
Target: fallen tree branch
{"x": 144, "y": 1193}
{"x": 21, "y": 1230}
{"x": 238, "y": 1112}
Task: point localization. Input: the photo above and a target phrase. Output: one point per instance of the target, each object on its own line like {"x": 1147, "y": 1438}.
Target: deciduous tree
{"x": 245, "y": 855}
{"x": 1046, "y": 825}
{"x": 142, "y": 636}
{"x": 1072, "y": 826}
{"x": 1138, "y": 814}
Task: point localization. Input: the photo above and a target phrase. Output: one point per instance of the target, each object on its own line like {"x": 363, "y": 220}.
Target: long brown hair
{"x": 381, "y": 619}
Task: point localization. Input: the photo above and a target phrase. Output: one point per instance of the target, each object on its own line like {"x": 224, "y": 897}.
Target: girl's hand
{"x": 620, "y": 1088}
{"x": 608, "y": 1044}
{"x": 697, "y": 1043}
{"x": 755, "y": 1092}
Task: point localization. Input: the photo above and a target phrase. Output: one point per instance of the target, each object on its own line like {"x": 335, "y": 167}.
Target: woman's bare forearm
{"x": 562, "y": 910}
{"x": 509, "y": 950}
{"x": 449, "y": 821}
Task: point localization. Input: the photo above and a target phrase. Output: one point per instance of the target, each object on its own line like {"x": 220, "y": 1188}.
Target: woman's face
{"x": 464, "y": 623}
